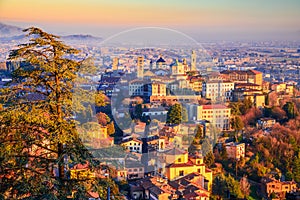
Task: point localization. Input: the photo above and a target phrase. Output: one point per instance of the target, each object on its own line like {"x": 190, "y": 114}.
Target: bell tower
{"x": 140, "y": 67}
{"x": 115, "y": 64}
{"x": 193, "y": 61}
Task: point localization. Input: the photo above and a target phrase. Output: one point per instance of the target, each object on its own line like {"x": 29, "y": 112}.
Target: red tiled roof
{"x": 207, "y": 170}
{"x": 93, "y": 194}
{"x": 188, "y": 164}
{"x": 81, "y": 166}
{"x": 255, "y": 71}
{"x": 191, "y": 195}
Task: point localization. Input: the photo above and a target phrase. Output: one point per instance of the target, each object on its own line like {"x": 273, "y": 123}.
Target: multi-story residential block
{"x": 279, "y": 87}
{"x": 132, "y": 145}
{"x": 147, "y": 89}
{"x": 196, "y": 83}
{"x": 218, "y": 90}
{"x": 265, "y": 123}
{"x": 218, "y": 115}
{"x": 256, "y": 96}
{"x": 283, "y": 88}
{"x": 271, "y": 185}
{"x": 134, "y": 169}
{"x": 137, "y": 88}
{"x": 235, "y": 150}
{"x": 158, "y": 88}
{"x": 245, "y": 76}
{"x": 251, "y": 86}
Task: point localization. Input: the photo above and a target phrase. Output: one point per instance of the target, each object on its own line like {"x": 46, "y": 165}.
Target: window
{"x": 199, "y": 171}
{"x": 135, "y": 170}
{"x": 198, "y": 162}
{"x": 181, "y": 173}
{"x": 141, "y": 169}
{"x": 179, "y": 160}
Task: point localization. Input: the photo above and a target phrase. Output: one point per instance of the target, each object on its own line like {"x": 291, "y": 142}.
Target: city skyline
{"x": 203, "y": 20}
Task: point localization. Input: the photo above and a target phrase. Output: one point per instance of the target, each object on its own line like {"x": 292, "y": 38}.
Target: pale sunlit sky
{"x": 209, "y": 19}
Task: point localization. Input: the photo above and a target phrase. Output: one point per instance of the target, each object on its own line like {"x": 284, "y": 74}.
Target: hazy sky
{"x": 205, "y": 19}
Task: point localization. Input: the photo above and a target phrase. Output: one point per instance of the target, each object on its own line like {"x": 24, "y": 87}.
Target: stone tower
{"x": 115, "y": 64}
{"x": 193, "y": 61}
{"x": 140, "y": 67}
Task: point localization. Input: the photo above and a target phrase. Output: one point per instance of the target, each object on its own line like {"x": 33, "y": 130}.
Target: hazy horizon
{"x": 202, "y": 20}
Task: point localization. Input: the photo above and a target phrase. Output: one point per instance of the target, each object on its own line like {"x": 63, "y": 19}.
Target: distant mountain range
{"x": 80, "y": 38}
{"x": 9, "y": 33}
{"x": 9, "y": 30}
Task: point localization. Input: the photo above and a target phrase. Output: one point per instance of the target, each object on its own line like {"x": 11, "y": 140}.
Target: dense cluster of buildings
{"x": 159, "y": 164}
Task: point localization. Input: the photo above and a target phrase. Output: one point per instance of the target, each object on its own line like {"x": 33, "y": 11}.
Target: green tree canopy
{"x": 199, "y": 132}
{"x": 289, "y": 108}
{"x": 209, "y": 159}
{"x": 237, "y": 123}
{"x": 176, "y": 114}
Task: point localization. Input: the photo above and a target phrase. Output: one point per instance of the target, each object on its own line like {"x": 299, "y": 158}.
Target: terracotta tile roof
{"x": 246, "y": 84}
{"x": 81, "y": 166}
{"x": 190, "y": 188}
{"x": 249, "y": 72}
{"x": 188, "y": 164}
{"x": 93, "y": 194}
{"x": 255, "y": 71}
{"x": 132, "y": 140}
{"x": 207, "y": 170}
{"x": 191, "y": 195}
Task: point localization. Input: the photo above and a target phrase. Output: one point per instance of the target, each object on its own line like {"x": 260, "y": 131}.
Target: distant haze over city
{"x": 203, "y": 20}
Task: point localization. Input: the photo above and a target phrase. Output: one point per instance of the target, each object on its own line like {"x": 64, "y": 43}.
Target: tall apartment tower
{"x": 140, "y": 67}
{"x": 193, "y": 61}
{"x": 115, "y": 64}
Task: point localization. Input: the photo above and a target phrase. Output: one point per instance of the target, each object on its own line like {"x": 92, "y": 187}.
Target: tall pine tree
{"x": 38, "y": 137}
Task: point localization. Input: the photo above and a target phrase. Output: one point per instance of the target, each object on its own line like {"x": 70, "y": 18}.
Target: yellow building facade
{"x": 183, "y": 165}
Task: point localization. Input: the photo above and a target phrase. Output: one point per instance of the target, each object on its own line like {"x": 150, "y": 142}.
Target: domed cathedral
{"x": 161, "y": 63}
